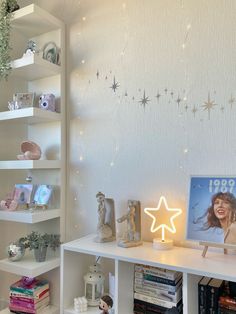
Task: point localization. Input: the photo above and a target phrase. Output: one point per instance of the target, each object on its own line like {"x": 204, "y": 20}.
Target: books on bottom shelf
{"x": 142, "y": 307}
{"x": 30, "y": 297}
{"x": 163, "y": 293}
{"x": 214, "y": 297}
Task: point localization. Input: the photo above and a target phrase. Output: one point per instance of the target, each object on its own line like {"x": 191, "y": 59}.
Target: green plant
{"x": 36, "y": 240}
{"x": 54, "y": 241}
{"x": 7, "y": 7}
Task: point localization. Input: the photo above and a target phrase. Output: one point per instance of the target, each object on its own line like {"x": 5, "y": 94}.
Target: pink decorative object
{"x": 30, "y": 150}
{"x": 9, "y": 203}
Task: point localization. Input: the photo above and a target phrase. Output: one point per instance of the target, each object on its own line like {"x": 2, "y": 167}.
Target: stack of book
{"x": 157, "y": 290}
{"x": 30, "y": 298}
{"x": 209, "y": 291}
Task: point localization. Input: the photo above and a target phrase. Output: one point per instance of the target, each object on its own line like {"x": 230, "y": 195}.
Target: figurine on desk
{"x": 133, "y": 217}
{"x": 106, "y": 304}
{"x": 106, "y": 219}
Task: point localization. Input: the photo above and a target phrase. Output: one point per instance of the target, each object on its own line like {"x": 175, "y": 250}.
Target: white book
{"x": 156, "y": 301}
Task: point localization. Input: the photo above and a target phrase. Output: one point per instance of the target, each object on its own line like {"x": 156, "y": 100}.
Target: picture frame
{"x": 23, "y": 194}
{"x": 211, "y": 213}
{"x": 42, "y": 195}
{"x": 25, "y": 100}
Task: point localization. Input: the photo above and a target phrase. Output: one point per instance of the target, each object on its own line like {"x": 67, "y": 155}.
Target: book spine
{"x": 202, "y": 298}
{"x": 29, "y": 291}
{"x": 213, "y": 299}
{"x": 161, "y": 285}
{"x": 160, "y": 293}
{"x": 159, "y": 279}
{"x": 155, "y": 301}
{"x": 156, "y": 271}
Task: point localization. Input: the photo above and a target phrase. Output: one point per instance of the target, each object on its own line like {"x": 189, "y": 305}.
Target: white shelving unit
{"x": 48, "y": 310}
{"x": 28, "y": 216}
{"x": 29, "y": 267}
{"x": 46, "y": 128}
{"x": 84, "y": 251}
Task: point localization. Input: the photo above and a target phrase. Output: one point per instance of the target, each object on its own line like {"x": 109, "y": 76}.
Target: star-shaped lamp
{"x": 162, "y": 223}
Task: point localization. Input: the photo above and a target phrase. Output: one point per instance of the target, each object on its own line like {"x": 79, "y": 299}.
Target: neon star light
{"x": 162, "y": 205}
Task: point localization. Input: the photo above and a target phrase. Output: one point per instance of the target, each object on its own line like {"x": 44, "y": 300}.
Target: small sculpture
{"x": 30, "y": 150}
{"x": 30, "y": 49}
{"x": 106, "y": 220}
{"x": 133, "y": 217}
{"x": 105, "y": 304}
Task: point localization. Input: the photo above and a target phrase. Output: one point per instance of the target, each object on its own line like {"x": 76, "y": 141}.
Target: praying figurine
{"x": 105, "y": 304}
{"x": 106, "y": 220}
{"x": 132, "y": 237}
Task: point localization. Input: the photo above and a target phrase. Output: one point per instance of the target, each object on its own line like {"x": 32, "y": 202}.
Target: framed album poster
{"x": 212, "y": 210}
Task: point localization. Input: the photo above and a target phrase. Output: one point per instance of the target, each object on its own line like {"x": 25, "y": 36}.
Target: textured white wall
{"x": 118, "y": 146}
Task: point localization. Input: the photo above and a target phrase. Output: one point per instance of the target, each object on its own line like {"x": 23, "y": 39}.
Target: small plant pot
{"x": 40, "y": 254}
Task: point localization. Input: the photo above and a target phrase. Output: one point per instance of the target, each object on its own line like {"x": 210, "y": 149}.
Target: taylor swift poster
{"x": 212, "y": 210}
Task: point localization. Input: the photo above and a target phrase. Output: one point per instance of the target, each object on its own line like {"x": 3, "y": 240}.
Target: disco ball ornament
{"x": 15, "y": 251}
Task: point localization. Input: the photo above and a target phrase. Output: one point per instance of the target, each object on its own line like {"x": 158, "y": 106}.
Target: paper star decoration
{"x": 115, "y": 85}
{"x": 209, "y": 104}
{"x": 162, "y": 205}
{"x": 144, "y": 100}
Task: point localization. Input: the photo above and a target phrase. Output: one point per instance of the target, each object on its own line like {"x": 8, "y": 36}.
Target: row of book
{"x": 215, "y": 296}
{"x": 157, "y": 290}
{"x": 29, "y": 297}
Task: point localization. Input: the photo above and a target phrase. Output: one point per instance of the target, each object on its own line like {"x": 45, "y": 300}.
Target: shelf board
{"x": 91, "y": 310}
{"x": 34, "y": 67}
{"x": 29, "y": 164}
{"x": 33, "y": 21}
{"x": 185, "y": 260}
{"x": 27, "y": 216}
{"x": 51, "y": 309}
{"x": 30, "y": 115}
{"x": 28, "y": 266}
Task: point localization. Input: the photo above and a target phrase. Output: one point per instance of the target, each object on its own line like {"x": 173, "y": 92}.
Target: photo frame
{"x": 43, "y": 193}
{"x": 23, "y": 193}
{"x": 212, "y": 210}
{"x": 25, "y": 100}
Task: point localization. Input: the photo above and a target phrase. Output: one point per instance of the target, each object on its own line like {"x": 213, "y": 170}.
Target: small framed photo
{"x": 42, "y": 194}
{"x": 23, "y": 193}
{"x": 25, "y": 100}
{"x": 212, "y": 210}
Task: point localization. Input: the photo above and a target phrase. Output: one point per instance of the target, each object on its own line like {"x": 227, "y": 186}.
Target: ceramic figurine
{"x": 105, "y": 304}
{"x": 106, "y": 219}
{"x": 132, "y": 236}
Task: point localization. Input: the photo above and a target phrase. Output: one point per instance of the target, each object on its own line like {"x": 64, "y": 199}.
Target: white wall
{"x": 118, "y": 146}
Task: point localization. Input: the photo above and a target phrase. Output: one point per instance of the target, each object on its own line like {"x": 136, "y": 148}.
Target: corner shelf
{"x": 51, "y": 309}
{"x": 34, "y": 67}
{"x": 29, "y": 116}
{"x": 29, "y": 164}
{"x": 30, "y": 217}
{"x": 28, "y": 20}
{"x": 28, "y": 266}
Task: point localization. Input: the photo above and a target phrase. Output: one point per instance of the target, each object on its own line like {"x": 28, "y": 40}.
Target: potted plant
{"x": 7, "y": 7}
{"x": 39, "y": 243}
